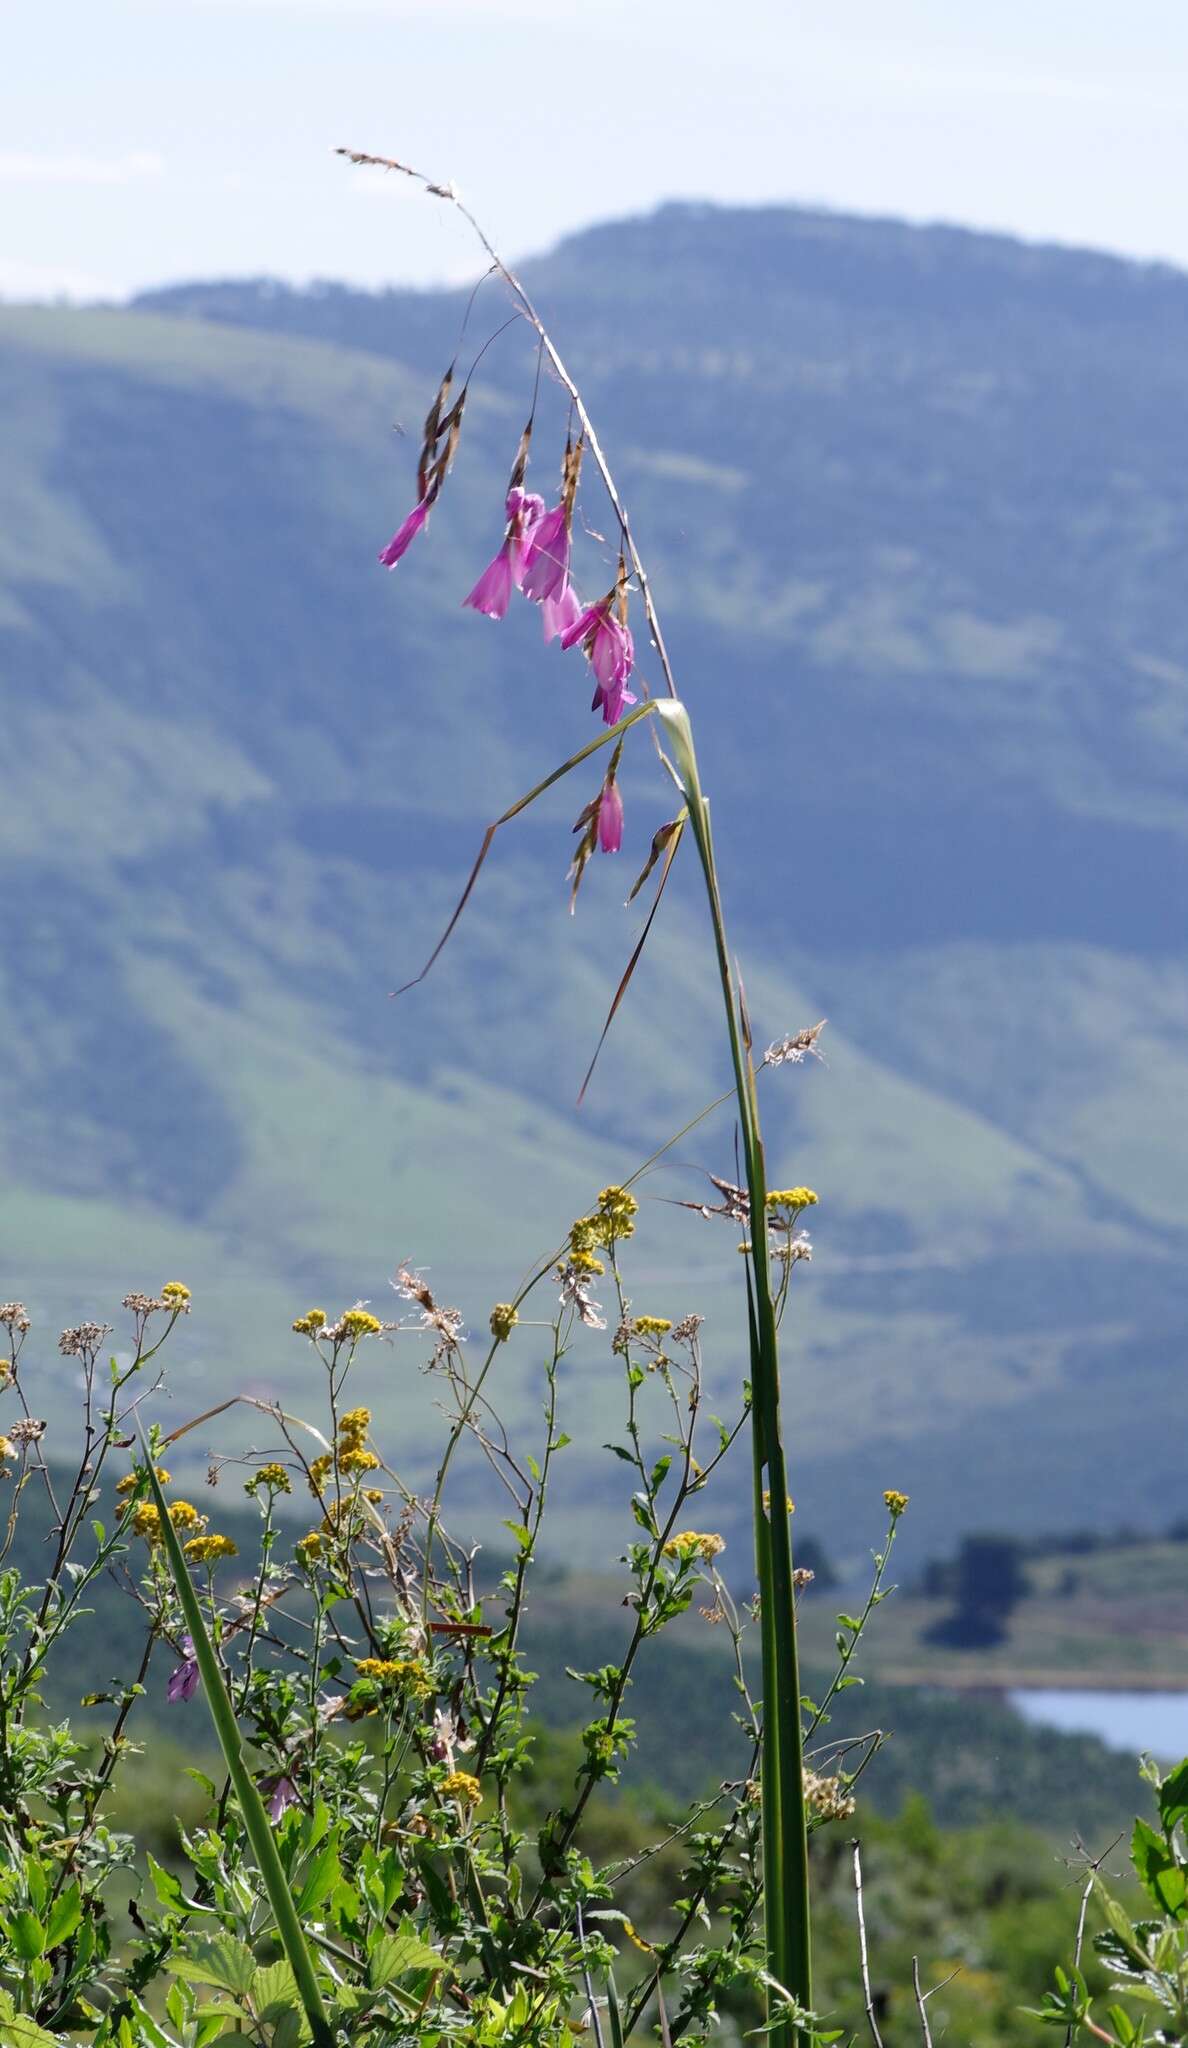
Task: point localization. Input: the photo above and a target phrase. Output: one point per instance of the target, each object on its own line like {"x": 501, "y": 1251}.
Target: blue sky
{"x": 148, "y": 140}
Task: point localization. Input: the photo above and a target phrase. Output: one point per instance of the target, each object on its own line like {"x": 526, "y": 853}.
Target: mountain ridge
{"x": 919, "y": 576}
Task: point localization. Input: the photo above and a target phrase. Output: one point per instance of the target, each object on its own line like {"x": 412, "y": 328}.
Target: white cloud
{"x": 46, "y": 281}
{"x": 25, "y": 167}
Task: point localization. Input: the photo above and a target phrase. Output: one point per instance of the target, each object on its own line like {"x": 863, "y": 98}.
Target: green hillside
{"x": 914, "y": 506}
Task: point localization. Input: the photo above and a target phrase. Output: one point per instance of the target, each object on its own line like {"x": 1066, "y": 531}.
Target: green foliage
{"x": 1146, "y": 1960}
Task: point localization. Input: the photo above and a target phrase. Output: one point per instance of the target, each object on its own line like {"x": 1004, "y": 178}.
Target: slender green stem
{"x": 251, "y": 1806}
{"x": 785, "y": 1833}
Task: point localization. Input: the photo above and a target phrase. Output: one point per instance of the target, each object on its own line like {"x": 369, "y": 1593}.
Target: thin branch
{"x": 922, "y": 1998}
{"x": 862, "y": 1955}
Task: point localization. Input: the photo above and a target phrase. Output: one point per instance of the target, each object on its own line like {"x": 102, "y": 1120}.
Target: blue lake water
{"x": 1133, "y": 1721}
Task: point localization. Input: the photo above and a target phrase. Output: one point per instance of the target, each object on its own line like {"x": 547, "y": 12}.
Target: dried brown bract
{"x": 792, "y": 1050}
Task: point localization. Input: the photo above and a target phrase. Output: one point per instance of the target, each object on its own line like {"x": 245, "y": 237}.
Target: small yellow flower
{"x": 896, "y": 1502}
{"x": 374, "y": 1494}
{"x": 320, "y": 1471}
{"x": 583, "y": 1235}
{"x": 146, "y": 1522}
{"x": 131, "y": 1480}
{"x": 352, "y": 1459}
{"x": 406, "y": 1672}
{"x": 359, "y": 1322}
{"x": 274, "y": 1477}
{"x": 789, "y": 1503}
{"x": 356, "y": 1422}
{"x": 209, "y": 1549}
{"x": 690, "y": 1544}
{"x": 310, "y": 1547}
{"x": 184, "y": 1515}
{"x": 7, "y": 1451}
{"x": 616, "y": 1210}
{"x": 460, "y": 1785}
{"x": 176, "y": 1296}
{"x": 311, "y": 1322}
{"x": 792, "y": 1198}
{"x": 504, "y": 1317}
{"x": 652, "y": 1326}
{"x": 585, "y": 1262}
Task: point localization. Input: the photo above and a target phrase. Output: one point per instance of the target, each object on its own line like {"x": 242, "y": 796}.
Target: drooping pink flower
{"x": 404, "y": 535}
{"x": 559, "y": 613}
{"x": 283, "y": 1794}
{"x": 611, "y": 652}
{"x": 183, "y": 1683}
{"x": 546, "y": 556}
{"x": 610, "y": 818}
{"x": 612, "y": 699}
{"x": 492, "y": 593}
{"x": 525, "y": 510}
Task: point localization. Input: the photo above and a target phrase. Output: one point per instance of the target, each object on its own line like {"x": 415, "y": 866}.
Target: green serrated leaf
{"x": 224, "y": 1961}
{"x": 19, "y": 2032}
{"x": 1173, "y": 1797}
{"x": 396, "y": 1954}
{"x": 65, "y": 1915}
{"x": 165, "y": 1884}
{"x": 27, "y": 1935}
{"x": 1158, "y": 1871}
{"x": 321, "y": 1878}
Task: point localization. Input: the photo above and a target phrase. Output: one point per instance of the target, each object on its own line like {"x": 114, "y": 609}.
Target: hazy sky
{"x": 145, "y": 140}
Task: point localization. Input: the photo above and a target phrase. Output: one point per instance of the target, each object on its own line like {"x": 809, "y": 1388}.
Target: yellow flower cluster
{"x": 183, "y": 1514}
{"x": 209, "y": 1549}
{"x": 460, "y": 1785}
{"x": 131, "y": 1480}
{"x": 310, "y": 1547}
{"x": 407, "y": 1672}
{"x": 616, "y": 1211}
{"x": 896, "y": 1502}
{"x": 583, "y": 1237}
{"x": 350, "y": 1455}
{"x": 7, "y": 1451}
{"x": 652, "y": 1326}
{"x": 353, "y": 1458}
{"x": 274, "y": 1477}
{"x": 789, "y": 1503}
{"x": 359, "y": 1322}
{"x": 791, "y": 1198}
{"x": 690, "y": 1544}
{"x": 176, "y": 1296}
{"x": 311, "y": 1322}
{"x": 504, "y": 1317}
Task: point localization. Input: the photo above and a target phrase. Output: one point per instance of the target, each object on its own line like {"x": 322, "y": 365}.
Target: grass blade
{"x": 255, "y": 1819}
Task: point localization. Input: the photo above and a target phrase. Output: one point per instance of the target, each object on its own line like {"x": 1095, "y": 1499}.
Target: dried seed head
{"x": 792, "y": 1050}
{"x": 83, "y": 1340}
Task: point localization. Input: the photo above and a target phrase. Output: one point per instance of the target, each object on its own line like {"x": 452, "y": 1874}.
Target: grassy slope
{"x": 252, "y": 772}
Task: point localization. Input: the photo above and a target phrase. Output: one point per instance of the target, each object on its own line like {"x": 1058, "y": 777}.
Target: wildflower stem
{"x": 251, "y": 1806}
{"x": 785, "y": 1834}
